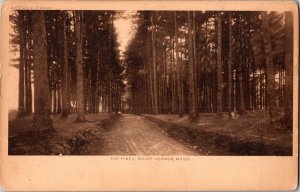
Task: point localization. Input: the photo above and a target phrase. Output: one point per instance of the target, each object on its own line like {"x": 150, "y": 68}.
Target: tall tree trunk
{"x": 155, "y": 84}
{"x": 21, "y": 104}
{"x": 65, "y": 72}
{"x": 109, "y": 48}
{"x": 179, "y": 81}
{"x": 280, "y": 87}
{"x": 97, "y": 94}
{"x": 229, "y": 64}
{"x": 260, "y": 89}
{"x": 195, "y": 62}
{"x": 192, "y": 94}
{"x": 55, "y": 99}
{"x": 241, "y": 88}
{"x": 110, "y": 102}
{"x": 240, "y": 73}
{"x": 205, "y": 74}
{"x": 172, "y": 79}
{"x": 165, "y": 89}
{"x": 58, "y": 98}
{"x": 42, "y": 120}
{"x": 79, "y": 68}
{"x": 28, "y": 87}
{"x": 271, "y": 98}
{"x": 219, "y": 66}
{"x": 288, "y": 105}
{"x": 149, "y": 64}
{"x": 28, "y": 65}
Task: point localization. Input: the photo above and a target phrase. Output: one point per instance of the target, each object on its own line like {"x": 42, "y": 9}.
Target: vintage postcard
{"x": 149, "y": 95}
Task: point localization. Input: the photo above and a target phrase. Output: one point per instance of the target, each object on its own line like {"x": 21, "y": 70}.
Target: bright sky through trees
{"x": 125, "y": 24}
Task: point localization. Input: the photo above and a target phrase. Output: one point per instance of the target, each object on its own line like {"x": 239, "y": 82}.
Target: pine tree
{"x": 219, "y": 65}
{"x": 42, "y": 120}
{"x": 288, "y": 117}
{"x": 65, "y": 63}
{"x": 271, "y": 99}
{"x": 191, "y": 69}
{"x": 79, "y": 67}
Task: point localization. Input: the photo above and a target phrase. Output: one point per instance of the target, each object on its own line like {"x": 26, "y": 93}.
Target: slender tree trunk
{"x": 280, "y": 87}
{"x": 21, "y": 104}
{"x": 30, "y": 64}
{"x": 155, "y": 84}
{"x": 97, "y": 101}
{"x": 229, "y": 64}
{"x": 88, "y": 90}
{"x": 205, "y": 74}
{"x": 109, "y": 59}
{"x": 192, "y": 96}
{"x": 195, "y": 63}
{"x": 241, "y": 89}
{"x": 219, "y": 66}
{"x": 240, "y": 73}
{"x": 65, "y": 72}
{"x": 79, "y": 68}
{"x": 55, "y": 99}
{"x": 28, "y": 109}
{"x": 172, "y": 81}
{"x": 261, "y": 89}
{"x": 110, "y": 109}
{"x": 42, "y": 120}
{"x": 288, "y": 105}
{"x": 28, "y": 88}
{"x": 271, "y": 99}
{"x": 179, "y": 70}
{"x": 58, "y": 98}
{"x": 166, "y": 104}
{"x": 150, "y": 88}
{"x": 254, "y": 90}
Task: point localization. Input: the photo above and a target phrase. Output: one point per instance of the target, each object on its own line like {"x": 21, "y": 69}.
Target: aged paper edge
{"x": 101, "y": 173}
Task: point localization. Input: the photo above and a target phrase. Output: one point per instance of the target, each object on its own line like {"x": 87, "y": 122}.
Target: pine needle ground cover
{"x": 69, "y": 137}
{"x": 244, "y": 135}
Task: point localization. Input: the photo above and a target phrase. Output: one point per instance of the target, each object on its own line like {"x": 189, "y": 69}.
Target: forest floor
{"x": 69, "y": 137}
{"x": 244, "y": 135}
{"x": 101, "y": 134}
{"x": 129, "y": 134}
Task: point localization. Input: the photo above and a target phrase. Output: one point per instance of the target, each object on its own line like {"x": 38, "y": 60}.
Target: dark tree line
{"x": 68, "y": 63}
{"x": 179, "y": 62}
{"x": 191, "y": 62}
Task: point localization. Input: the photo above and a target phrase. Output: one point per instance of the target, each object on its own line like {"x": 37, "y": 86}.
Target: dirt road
{"x": 134, "y": 135}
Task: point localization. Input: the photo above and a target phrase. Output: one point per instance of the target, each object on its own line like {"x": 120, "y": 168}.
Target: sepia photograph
{"x": 149, "y": 95}
{"x": 151, "y": 82}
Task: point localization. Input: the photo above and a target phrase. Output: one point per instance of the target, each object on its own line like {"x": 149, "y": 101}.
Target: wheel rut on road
{"x": 134, "y": 135}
